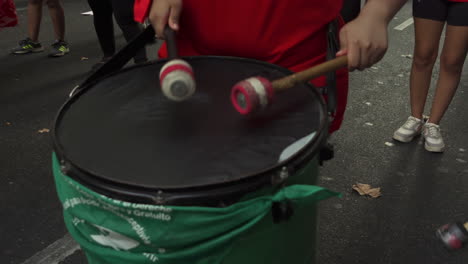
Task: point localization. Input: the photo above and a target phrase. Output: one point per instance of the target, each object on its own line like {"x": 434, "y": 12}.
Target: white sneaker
{"x": 433, "y": 137}
{"x": 410, "y": 129}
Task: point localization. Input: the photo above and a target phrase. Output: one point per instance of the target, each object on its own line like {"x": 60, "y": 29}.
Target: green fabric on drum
{"x": 119, "y": 232}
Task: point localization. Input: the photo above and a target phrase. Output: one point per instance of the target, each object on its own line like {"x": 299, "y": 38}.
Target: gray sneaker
{"x": 59, "y": 48}
{"x": 27, "y": 46}
{"x": 433, "y": 137}
{"x": 410, "y": 129}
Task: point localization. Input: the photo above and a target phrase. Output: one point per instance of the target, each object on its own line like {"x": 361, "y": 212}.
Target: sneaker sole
{"x": 28, "y": 51}
{"x": 403, "y": 139}
{"x": 58, "y": 54}
{"x": 434, "y": 149}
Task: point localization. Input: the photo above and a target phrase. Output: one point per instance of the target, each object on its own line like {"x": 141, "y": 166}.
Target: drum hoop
{"x": 197, "y": 194}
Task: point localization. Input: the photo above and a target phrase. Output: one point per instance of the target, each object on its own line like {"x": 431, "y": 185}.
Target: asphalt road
{"x": 421, "y": 190}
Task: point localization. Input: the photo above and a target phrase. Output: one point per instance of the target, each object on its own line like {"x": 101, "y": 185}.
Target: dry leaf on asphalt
{"x": 44, "y": 130}
{"x": 366, "y": 189}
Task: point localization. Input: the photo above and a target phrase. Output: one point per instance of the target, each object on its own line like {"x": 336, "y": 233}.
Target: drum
{"x": 143, "y": 179}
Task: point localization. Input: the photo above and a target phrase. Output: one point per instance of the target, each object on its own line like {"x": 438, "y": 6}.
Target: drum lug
{"x": 159, "y": 198}
{"x": 280, "y": 177}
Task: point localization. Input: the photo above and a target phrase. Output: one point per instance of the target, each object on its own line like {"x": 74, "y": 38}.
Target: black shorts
{"x": 455, "y": 13}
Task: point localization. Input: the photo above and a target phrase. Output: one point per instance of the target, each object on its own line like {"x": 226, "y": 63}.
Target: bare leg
{"x": 426, "y": 49}
{"x": 58, "y": 18}
{"x": 34, "y": 19}
{"x": 451, "y": 65}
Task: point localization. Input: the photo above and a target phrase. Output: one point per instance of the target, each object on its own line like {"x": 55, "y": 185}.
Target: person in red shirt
{"x": 430, "y": 17}
{"x": 291, "y": 34}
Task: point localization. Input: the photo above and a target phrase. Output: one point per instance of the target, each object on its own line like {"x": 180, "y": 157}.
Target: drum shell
{"x": 288, "y": 240}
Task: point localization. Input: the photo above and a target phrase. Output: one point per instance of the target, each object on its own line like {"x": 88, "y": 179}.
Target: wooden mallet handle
{"x": 309, "y": 74}
{"x": 257, "y": 92}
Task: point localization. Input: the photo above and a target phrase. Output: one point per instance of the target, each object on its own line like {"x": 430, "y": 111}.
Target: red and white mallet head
{"x": 177, "y": 80}
{"x": 252, "y": 94}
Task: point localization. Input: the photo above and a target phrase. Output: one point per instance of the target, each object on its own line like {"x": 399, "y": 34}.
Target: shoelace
{"x": 410, "y": 123}
{"x": 433, "y": 131}
{"x": 57, "y": 44}
{"x": 24, "y": 42}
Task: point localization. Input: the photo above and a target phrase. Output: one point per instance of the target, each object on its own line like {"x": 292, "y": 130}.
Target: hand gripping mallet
{"x": 176, "y": 76}
{"x": 256, "y": 93}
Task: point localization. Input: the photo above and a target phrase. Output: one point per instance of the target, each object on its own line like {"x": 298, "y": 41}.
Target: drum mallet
{"x": 454, "y": 236}
{"x": 176, "y": 76}
{"x": 257, "y": 92}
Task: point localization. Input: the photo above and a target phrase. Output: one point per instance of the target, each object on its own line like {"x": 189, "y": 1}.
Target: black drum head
{"x": 122, "y": 129}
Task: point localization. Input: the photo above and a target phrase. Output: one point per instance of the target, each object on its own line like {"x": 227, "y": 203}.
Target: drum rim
{"x": 123, "y": 188}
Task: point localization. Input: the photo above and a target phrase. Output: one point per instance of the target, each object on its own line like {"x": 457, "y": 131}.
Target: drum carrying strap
{"x": 333, "y": 47}
{"x": 121, "y": 58}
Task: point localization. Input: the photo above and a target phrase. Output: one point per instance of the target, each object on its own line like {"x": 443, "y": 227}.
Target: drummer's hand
{"x": 364, "y": 40}
{"x": 165, "y": 12}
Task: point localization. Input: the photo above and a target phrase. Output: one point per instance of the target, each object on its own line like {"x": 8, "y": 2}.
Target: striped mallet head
{"x": 177, "y": 80}
{"x": 252, "y": 94}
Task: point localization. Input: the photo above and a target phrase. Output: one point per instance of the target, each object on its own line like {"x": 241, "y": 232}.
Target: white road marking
{"x": 55, "y": 252}
{"x": 405, "y": 24}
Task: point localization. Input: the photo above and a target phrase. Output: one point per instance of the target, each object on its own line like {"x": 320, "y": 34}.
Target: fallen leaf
{"x": 8, "y": 123}
{"x": 389, "y": 144}
{"x": 44, "y": 130}
{"x": 84, "y": 58}
{"x": 366, "y": 189}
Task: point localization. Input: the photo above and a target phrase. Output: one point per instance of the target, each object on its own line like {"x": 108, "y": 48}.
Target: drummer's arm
{"x": 364, "y": 39}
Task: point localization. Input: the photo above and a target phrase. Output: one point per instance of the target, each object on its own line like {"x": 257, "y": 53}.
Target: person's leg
{"x": 31, "y": 43}
{"x": 451, "y": 65}
{"x": 104, "y": 26}
{"x": 426, "y": 49}
{"x": 429, "y": 21}
{"x": 58, "y": 18}
{"x": 123, "y": 12}
{"x": 34, "y": 19}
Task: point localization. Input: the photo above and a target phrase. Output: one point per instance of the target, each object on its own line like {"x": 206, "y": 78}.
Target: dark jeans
{"x": 104, "y": 24}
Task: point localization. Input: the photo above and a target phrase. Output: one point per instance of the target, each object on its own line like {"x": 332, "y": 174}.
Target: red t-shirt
{"x": 291, "y": 34}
